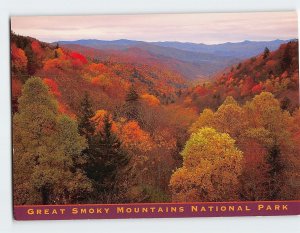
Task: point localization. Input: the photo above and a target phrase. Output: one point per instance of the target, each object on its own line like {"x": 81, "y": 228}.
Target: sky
{"x": 208, "y": 28}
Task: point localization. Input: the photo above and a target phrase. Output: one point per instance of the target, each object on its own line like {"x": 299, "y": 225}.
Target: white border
{"x": 8, "y": 8}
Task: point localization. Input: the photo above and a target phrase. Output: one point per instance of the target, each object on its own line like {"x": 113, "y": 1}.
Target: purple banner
{"x": 156, "y": 210}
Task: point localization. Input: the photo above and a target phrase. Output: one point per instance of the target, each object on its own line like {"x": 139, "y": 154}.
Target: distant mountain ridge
{"x": 247, "y": 48}
{"x": 205, "y": 60}
{"x": 244, "y": 49}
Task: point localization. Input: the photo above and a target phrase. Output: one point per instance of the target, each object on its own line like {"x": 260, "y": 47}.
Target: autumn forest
{"x": 137, "y": 126}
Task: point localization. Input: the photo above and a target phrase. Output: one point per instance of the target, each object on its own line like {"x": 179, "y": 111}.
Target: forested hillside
{"x": 89, "y": 130}
{"x": 72, "y": 71}
{"x": 192, "y": 60}
{"x": 118, "y": 112}
{"x": 276, "y": 72}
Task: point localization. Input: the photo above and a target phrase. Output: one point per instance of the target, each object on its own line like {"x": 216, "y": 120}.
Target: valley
{"x": 138, "y": 122}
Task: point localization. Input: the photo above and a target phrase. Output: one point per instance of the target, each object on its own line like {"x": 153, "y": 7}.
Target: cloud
{"x": 200, "y": 28}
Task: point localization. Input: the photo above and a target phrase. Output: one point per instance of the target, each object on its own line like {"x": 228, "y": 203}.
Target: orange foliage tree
{"x": 16, "y": 93}
{"x": 53, "y": 87}
{"x": 98, "y": 120}
{"x": 150, "y": 99}
{"x": 19, "y": 59}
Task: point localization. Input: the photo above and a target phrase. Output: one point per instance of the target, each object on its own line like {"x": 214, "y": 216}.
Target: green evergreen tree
{"x": 86, "y": 126}
{"x": 132, "y": 105}
{"x": 274, "y": 159}
{"x": 86, "y": 129}
{"x": 266, "y": 53}
{"x": 286, "y": 60}
{"x": 132, "y": 95}
{"x": 135, "y": 75}
{"x": 32, "y": 64}
{"x": 106, "y": 161}
{"x": 285, "y": 104}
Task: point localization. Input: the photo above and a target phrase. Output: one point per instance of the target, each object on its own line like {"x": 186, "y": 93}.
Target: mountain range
{"x": 192, "y": 60}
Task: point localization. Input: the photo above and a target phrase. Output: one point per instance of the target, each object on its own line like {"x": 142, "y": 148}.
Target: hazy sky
{"x": 207, "y": 28}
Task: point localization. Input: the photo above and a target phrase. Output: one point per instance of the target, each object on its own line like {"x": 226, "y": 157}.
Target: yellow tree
{"x": 211, "y": 166}
{"x": 229, "y": 118}
{"x": 45, "y": 147}
{"x": 206, "y": 119}
{"x": 269, "y": 125}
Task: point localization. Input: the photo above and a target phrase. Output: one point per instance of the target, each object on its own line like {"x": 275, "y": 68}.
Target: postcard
{"x": 155, "y": 115}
